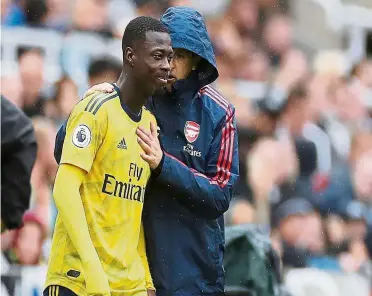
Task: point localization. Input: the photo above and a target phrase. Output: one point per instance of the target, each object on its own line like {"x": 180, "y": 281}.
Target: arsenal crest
{"x": 191, "y": 131}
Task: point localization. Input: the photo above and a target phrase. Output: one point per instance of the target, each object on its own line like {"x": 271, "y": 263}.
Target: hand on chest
{"x": 187, "y": 139}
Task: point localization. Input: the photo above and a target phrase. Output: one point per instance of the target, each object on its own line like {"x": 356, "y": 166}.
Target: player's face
{"x": 182, "y": 63}
{"x": 152, "y": 63}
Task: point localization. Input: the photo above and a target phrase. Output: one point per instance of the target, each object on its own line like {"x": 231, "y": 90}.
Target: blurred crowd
{"x": 305, "y": 144}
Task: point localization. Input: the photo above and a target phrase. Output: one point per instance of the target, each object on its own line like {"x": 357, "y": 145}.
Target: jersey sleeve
{"x": 85, "y": 132}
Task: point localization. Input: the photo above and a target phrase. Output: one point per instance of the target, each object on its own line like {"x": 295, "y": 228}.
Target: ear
{"x": 129, "y": 56}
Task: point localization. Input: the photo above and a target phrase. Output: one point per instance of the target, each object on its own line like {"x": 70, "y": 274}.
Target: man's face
{"x": 151, "y": 60}
{"x": 31, "y": 65}
{"x": 181, "y": 64}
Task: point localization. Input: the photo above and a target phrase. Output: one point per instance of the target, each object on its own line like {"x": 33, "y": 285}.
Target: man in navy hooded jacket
{"x": 195, "y": 168}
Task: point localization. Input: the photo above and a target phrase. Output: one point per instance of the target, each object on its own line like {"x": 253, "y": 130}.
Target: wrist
{"x": 156, "y": 172}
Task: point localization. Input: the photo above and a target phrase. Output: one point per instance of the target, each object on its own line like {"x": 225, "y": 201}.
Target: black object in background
{"x": 18, "y": 155}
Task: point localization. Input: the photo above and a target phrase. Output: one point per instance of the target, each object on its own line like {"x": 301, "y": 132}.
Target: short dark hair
{"x": 22, "y": 50}
{"x": 137, "y": 28}
{"x": 104, "y": 64}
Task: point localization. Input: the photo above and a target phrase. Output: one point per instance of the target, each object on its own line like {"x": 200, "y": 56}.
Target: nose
{"x": 165, "y": 66}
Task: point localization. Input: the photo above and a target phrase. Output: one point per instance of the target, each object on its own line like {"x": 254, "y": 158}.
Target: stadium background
{"x": 299, "y": 73}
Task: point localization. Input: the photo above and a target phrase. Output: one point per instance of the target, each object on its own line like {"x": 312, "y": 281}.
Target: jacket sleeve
{"x": 18, "y": 155}
{"x": 207, "y": 195}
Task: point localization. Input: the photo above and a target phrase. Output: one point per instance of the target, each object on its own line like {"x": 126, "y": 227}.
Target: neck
{"x": 131, "y": 94}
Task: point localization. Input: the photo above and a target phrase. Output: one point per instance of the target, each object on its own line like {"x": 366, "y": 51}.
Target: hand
{"x": 150, "y": 144}
{"x": 151, "y": 293}
{"x": 104, "y": 87}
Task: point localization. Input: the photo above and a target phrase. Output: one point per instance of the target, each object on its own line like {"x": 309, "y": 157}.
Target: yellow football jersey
{"x": 101, "y": 139}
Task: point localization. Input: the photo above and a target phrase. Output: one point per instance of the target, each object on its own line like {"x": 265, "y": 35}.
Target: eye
{"x": 179, "y": 55}
{"x": 158, "y": 56}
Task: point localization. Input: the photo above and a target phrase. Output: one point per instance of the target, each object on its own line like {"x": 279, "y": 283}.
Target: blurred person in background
{"x": 277, "y": 37}
{"x": 240, "y": 212}
{"x": 12, "y": 89}
{"x": 265, "y": 173}
{"x": 65, "y": 98}
{"x": 58, "y": 14}
{"x": 44, "y": 171}
{"x": 31, "y": 71}
{"x": 91, "y": 16}
{"x": 35, "y": 12}
{"x": 350, "y": 183}
{"x": 18, "y": 154}
{"x": 12, "y": 13}
{"x": 103, "y": 69}
{"x": 301, "y": 232}
{"x": 27, "y": 242}
{"x": 244, "y": 15}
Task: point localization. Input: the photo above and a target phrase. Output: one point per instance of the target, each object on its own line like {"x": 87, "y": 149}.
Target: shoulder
{"x": 95, "y": 106}
{"x": 96, "y": 102}
{"x": 217, "y": 105}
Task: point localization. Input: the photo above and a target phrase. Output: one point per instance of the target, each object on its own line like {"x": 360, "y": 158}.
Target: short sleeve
{"x": 84, "y": 135}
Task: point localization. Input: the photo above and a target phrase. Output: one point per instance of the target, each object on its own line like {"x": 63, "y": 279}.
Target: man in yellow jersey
{"x": 98, "y": 244}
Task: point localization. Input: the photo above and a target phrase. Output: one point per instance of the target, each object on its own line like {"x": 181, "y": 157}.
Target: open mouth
{"x": 163, "y": 79}
{"x": 171, "y": 79}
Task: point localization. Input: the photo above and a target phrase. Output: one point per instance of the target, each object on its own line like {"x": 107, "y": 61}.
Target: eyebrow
{"x": 163, "y": 50}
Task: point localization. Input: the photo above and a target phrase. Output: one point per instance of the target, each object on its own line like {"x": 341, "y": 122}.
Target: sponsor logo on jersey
{"x": 191, "y": 131}
{"x": 122, "y": 144}
{"x": 190, "y": 150}
{"x": 128, "y": 190}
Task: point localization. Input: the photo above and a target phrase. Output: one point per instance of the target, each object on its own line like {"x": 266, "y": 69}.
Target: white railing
{"x": 342, "y": 15}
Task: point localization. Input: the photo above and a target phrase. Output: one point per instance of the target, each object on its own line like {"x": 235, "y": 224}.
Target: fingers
{"x": 146, "y": 147}
{"x": 153, "y": 129}
{"x": 147, "y": 138}
{"x": 145, "y": 157}
{"x": 103, "y": 87}
{"x": 145, "y": 131}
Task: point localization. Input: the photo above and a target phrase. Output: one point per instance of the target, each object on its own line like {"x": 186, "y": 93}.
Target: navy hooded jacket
{"x": 185, "y": 202}
{"x": 184, "y": 206}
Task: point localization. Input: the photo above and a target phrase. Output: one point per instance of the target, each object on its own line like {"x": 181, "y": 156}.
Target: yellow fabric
{"x": 101, "y": 140}
{"x": 142, "y": 253}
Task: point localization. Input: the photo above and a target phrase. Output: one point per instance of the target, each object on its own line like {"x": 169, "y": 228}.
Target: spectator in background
{"x": 18, "y": 154}
{"x": 103, "y": 69}
{"x": 240, "y": 211}
{"x": 300, "y": 229}
{"x": 91, "y": 16}
{"x": 351, "y": 183}
{"x": 244, "y": 14}
{"x": 44, "y": 171}
{"x": 27, "y": 242}
{"x": 31, "y": 70}
{"x": 12, "y": 89}
{"x": 66, "y": 97}
{"x": 58, "y": 14}
{"x": 36, "y": 12}
{"x": 277, "y": 36}
{"x": 12, "y": 13}
{"x": 294, "y": 114}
